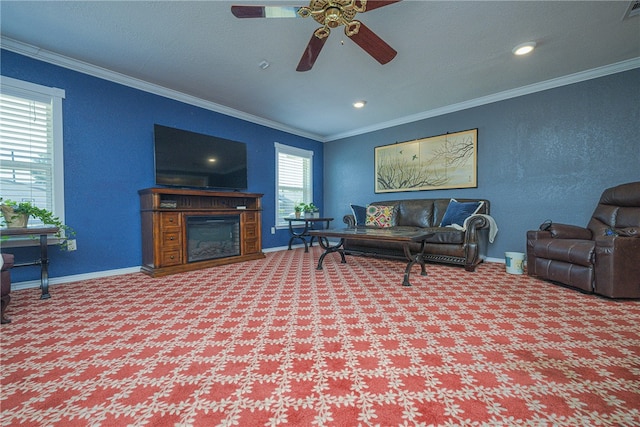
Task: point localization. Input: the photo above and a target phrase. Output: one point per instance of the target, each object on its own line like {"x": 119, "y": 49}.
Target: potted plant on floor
{"x": 17, "y": 214}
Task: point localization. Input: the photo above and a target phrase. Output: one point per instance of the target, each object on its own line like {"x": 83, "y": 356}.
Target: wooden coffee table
{"x": 378, "y": 234}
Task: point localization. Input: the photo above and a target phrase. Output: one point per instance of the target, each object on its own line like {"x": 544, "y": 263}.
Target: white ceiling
{"x": 450, "y": 54}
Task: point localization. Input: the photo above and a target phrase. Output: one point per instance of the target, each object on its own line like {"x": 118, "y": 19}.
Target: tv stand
{"x": 164, "y": 213}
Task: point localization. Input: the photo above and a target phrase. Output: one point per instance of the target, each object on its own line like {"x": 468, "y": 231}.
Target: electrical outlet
{"x": 71, "y": 245}
{"x": 273, "y": 230}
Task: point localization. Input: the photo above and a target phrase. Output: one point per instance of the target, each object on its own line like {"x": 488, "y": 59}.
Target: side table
{"x": 43, "y": 261}
{"x": 308, "y": 225}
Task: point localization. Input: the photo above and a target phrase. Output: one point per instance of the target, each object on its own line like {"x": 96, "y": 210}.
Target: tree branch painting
{"x": 434, "y": 163}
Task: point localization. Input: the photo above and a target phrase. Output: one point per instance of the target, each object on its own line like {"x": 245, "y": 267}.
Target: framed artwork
{"x": 434, "y": 163}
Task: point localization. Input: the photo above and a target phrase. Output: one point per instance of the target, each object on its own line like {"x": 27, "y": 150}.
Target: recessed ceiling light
{"x": 359, "y": 104}
{"x": 524, "y": 48}
{"x": 211, "y": 160}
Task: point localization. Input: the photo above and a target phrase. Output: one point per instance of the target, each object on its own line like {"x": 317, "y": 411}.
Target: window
{"x": 294, "y": 173}
{"x": 31, "y": 166}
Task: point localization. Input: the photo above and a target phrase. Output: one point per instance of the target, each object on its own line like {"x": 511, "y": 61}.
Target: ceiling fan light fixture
{"x": 524, "y": 48}
{"x": 359, "y": 104}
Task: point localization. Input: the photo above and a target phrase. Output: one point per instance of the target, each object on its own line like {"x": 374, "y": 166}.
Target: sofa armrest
{"x": 350, "y": 220}
{"x": 475, "y": 243}
{"x": 616, "y": 267}
{"x": 474, "y": 224}
{"x": 566, "y": 231}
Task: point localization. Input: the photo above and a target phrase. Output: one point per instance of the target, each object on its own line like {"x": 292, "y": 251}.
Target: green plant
{"x": 299, "y": 207}
{"x": 12, "y": 210}
{"x": 307, "y": 207}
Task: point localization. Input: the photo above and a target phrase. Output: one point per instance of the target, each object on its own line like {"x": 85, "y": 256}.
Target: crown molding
{"x": 103, "y": 73}
{"x": 594, "y": 73}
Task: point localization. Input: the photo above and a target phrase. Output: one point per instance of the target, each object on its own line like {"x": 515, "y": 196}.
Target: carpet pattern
{"x": 275, "y": 342}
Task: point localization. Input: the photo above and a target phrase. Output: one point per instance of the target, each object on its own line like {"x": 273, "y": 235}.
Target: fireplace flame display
{"x": 212, "y": 237}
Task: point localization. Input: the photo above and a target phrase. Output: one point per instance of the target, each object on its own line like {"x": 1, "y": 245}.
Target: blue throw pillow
{"x": 457, "y": 212}
{"x": 360, "y": 214}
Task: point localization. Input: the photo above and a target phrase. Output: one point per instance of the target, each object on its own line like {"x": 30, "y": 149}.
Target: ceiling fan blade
{"x": 265, "y": 11}
{"x": 375, "y": 4}
{"x": 311, "y": 53}
{"x": 373, "y": 45}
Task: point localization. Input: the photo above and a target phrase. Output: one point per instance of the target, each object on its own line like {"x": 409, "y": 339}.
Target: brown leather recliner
{"x": 5, "y": 284}
{"x": 603, "y": 258}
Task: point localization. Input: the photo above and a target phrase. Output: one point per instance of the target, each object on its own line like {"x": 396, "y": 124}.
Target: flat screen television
{"x": 195, "y": 160}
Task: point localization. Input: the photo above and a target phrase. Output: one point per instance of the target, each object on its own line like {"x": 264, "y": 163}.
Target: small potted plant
{"x": 308, "y": 210}
{"x": 297, "y": 209}
{"x": 17, "y": 214}
{"x": 315, "y": 211}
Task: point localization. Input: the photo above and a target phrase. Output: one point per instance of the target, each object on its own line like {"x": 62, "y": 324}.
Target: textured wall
{"x": 108, "y": 156}
{"x": 542, "y": 156}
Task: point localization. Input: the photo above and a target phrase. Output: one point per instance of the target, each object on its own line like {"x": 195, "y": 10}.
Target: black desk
{"x": 308, "y": 225}
{"x": 43, "y": 261}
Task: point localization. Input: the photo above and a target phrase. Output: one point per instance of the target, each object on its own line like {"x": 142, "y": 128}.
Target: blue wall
{"x": 544, "y": 155}
{"x": 547, "y": 155}
{"x": 108, "y": 157}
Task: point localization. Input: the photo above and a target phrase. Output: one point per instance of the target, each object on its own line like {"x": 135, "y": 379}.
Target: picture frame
{"x": 435, "y": 163}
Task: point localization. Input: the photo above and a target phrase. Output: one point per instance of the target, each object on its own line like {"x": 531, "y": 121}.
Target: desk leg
{"x": 299, "y": 236}
{"x": 44, "y": 268}
{"x": 318, "y": 238}
{"x": 419, "y": 258}
{"x": 324, "y": 243}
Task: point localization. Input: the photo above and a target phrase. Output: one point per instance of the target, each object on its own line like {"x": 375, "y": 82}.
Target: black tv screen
{"x": 190, "y": 159}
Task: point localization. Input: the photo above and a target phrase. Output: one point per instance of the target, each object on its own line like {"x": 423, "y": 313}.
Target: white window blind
{"x": 294, "y": 170}
{"x": 31, "y": 145}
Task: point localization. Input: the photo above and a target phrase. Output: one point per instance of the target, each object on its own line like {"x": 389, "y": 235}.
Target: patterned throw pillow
{"x": 381, "y": 216}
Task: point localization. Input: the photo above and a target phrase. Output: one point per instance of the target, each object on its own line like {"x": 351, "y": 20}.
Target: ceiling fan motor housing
{"x": 333, "y": 13}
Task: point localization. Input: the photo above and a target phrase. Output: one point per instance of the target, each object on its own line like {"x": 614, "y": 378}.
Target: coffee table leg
{"x": 324, "y": 243}
{"x": 412, "y": 260}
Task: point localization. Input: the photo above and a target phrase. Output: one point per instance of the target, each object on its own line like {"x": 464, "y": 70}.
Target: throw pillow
{"x": 360, "y": 214}
{"x": 381, "y": 216}
{"x": 457, "y": 212}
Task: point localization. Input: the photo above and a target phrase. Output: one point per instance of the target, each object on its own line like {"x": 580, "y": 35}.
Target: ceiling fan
{"x": 330, "y": 14}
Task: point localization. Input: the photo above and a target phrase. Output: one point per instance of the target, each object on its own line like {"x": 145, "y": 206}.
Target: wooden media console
{"x": 179, "y": 226}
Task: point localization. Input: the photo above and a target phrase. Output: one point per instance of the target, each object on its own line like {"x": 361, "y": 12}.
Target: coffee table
{"x": 379, "y": 234}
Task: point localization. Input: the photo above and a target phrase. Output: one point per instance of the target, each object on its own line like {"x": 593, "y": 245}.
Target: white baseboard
{"x": 98, "y": 274}
{"x": 75, "y": 278}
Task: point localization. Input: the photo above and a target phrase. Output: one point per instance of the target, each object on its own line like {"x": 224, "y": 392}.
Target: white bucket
{"x": 514, "y": 261}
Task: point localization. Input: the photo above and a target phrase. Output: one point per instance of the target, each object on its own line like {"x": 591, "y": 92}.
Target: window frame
{"x": 307, "y": 190}
{"x": 54, "y": 96}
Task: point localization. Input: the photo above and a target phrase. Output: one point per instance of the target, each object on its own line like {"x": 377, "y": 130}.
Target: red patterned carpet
{"x": 275, "y": 342}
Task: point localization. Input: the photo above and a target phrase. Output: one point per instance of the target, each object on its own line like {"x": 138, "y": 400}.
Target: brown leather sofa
{"x": 5, "y": 280}
{"x": 603, "y": 258}
{"x": 447, "y": 245}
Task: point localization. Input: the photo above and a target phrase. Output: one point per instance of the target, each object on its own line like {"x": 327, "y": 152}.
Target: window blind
{"x": 30, "y": 124}
{"x": 294, "y": 180}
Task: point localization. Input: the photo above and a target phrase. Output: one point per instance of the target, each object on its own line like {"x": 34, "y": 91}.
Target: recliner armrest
{"x": 566, "y": 231}
{"x": 617, "y": 266}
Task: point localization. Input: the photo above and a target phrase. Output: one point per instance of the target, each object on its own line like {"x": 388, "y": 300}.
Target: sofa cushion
{"x": 457, "y": 212}
{"x": 440, "y": 234}
{"x": 415, "y": 213}
{"x": 360, "y": 214}
{"x": 381, "y": 216}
